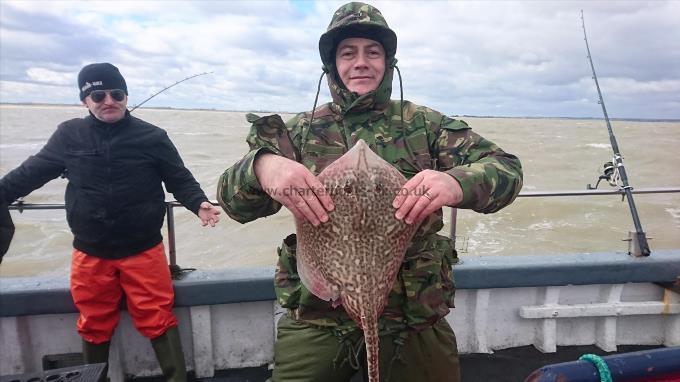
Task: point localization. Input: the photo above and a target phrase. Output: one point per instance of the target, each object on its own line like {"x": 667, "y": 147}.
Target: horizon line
{"x": 296, "y": 112}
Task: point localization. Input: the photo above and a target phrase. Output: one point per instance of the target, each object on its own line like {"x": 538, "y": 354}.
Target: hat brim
{"x": 373, "y": 31}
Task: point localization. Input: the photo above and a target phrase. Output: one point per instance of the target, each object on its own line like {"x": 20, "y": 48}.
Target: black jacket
{"x": 114, "y": 198}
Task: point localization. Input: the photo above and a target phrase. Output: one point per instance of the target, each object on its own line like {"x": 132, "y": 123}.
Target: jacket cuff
{"x": 467, "y": 180}
{"x": 197, "y": 204}
{"x": 250, "y": 181}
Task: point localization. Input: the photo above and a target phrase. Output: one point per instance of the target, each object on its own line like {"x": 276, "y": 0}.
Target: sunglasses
{"x": 99, "y": 95}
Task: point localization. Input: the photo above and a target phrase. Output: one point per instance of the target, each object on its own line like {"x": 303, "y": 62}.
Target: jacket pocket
{"x": 317, "y": 157}
{"x": 86, "y": 221}
{"x": 287, "y": 283}
{"x": 84, "y": 162}
{"x": 412, "y": 154}
{"x": 83, "y": 152}
{"x": 427, "y": 280}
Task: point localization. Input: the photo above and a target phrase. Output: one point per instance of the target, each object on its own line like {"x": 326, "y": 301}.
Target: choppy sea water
{"x": 557, "y": 154}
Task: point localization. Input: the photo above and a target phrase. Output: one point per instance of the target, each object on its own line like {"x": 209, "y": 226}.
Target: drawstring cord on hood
{"x": 410, "y": 150}
{"x": 401, "y": 94}
{"x": 305, "y": 134}
{"x": 311, "y": 118}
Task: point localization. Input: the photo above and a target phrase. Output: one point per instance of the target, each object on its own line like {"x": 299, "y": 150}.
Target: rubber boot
{"x": 168, "y": 348}
{"x": 97, "y": 353}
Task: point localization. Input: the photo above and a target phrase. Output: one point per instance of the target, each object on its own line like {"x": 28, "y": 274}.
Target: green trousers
{"x": 306, "y": 353}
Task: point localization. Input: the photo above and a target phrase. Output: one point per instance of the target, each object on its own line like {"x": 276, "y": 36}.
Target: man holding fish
{"x": 446, "y": 164}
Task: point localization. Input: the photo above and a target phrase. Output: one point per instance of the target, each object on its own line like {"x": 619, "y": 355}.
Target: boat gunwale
{"x": 51, "y": 295}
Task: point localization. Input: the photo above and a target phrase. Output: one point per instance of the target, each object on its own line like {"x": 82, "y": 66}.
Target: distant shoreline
{"x": 37, "y": 104}
{"x": 294, "y": 112}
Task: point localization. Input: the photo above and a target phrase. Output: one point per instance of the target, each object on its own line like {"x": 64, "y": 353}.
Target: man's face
{"x": 360, "y": 63}
{"x": 108, "y": 109}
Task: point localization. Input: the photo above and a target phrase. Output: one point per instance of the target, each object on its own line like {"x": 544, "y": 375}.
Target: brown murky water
{"x": 557, "y": 154}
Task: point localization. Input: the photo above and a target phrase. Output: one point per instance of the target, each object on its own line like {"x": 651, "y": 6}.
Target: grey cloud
{"x": 51, "y": 39}
{"x": 502, "y": 58}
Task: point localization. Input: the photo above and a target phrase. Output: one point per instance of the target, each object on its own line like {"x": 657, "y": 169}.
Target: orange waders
{"x": 97, "y": 286}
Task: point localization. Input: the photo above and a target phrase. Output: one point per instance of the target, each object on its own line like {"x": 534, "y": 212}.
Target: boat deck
{"x": 508, "y": 365}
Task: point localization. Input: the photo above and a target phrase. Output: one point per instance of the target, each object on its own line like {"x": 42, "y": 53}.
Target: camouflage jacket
{"x": 424, "y": 289}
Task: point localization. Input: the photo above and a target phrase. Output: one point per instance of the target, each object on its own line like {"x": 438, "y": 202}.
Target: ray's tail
{"x": 369, "y": 323}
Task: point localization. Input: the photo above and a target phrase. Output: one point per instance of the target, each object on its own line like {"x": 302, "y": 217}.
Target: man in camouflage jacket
{"x": 440, "y": 155}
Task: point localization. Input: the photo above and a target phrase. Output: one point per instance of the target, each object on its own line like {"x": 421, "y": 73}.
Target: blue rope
{"x": 600, "y": 364}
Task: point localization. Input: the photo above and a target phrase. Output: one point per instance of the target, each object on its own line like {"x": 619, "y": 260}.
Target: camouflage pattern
{"x": 425, "y": 139}
{"x": 424, "y": 290}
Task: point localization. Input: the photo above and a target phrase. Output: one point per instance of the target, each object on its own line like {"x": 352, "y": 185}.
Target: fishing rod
{"x": 175, "y": 270}
{"x": 614, "y": 171}
{"x": 168, "y": 87}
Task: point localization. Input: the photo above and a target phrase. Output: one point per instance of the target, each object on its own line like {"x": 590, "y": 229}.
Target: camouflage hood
{"x": 358, "y": 20}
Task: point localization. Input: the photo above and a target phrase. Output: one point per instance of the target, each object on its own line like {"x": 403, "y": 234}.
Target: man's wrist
{"x": 260, "y": 163}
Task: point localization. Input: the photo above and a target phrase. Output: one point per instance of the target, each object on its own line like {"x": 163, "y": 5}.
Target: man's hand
{"x": 293, "y": 185}
{"x": 424, "y": 194}
{"x": 208, "y": 214}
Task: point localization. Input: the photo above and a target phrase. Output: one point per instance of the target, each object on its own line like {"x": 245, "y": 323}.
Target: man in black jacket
{"x": 115, "y": 205}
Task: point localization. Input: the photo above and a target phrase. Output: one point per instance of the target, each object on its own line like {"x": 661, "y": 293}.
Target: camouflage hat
{"x": 356, "y": 20}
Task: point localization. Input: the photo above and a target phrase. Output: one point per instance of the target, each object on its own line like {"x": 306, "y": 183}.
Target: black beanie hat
{"x": 101, "y": 76}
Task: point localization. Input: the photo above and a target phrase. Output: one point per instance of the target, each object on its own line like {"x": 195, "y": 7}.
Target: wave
{"x": 599, "y": 145}
{"x": 674, "y": 212}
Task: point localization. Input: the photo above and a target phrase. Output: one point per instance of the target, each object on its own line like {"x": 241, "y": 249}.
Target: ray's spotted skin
{"x": 353, "y": 259}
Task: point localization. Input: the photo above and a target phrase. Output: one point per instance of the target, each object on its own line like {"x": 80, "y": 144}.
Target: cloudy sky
{"x": 468, "y": 58}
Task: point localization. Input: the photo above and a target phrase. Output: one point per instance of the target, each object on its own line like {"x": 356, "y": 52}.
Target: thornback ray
{"x": 353, "y": 259}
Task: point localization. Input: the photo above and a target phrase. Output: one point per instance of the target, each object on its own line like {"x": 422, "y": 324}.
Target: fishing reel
{"x": 610, "y": 173}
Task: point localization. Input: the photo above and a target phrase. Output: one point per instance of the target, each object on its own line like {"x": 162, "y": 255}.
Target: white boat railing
{"x": 172, "y": 252}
